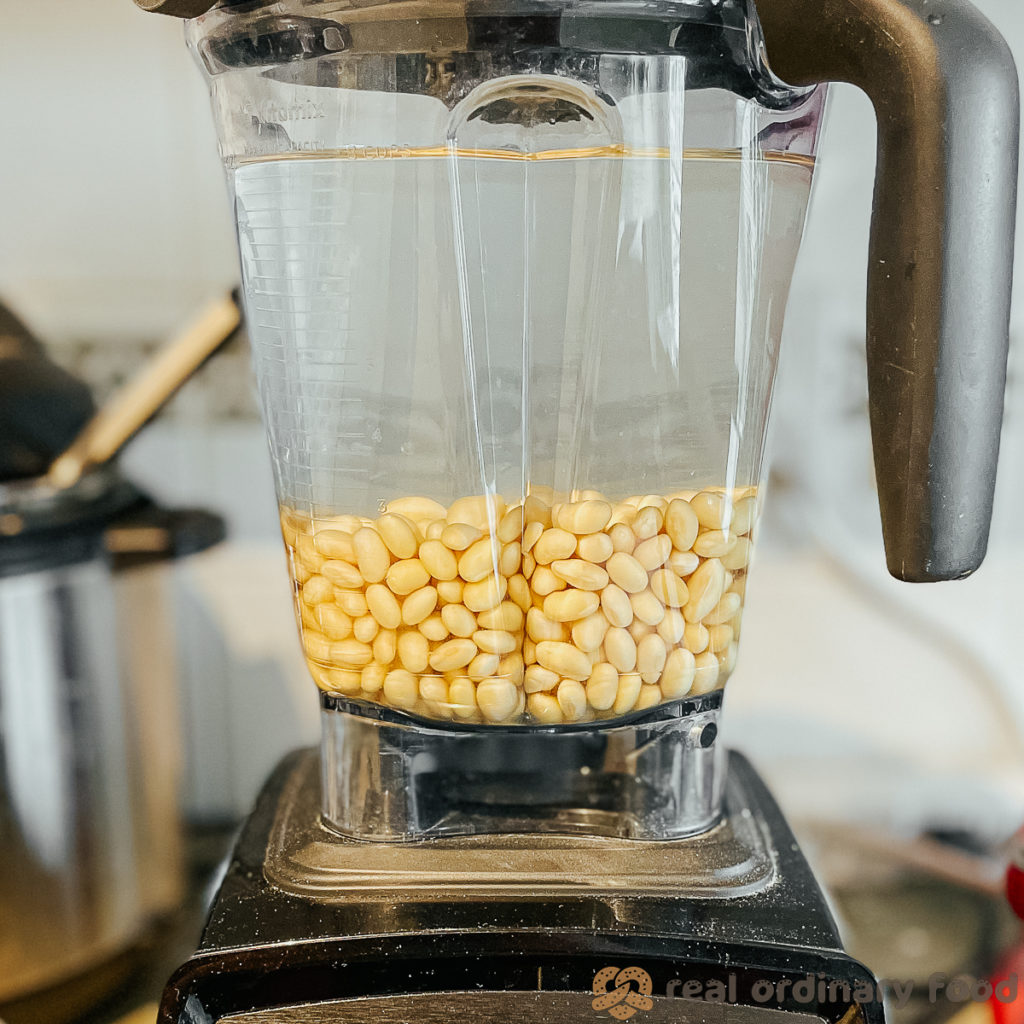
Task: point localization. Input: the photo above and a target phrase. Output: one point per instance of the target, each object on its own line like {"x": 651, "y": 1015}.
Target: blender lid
{"x": 196, "y": 8}
{"x": 31, "y": 506}
{"x": 714, "y": 35}
{"x": 42, "y": 527}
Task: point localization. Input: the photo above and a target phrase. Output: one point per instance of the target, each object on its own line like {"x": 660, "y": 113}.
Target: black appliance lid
{"x": 42, "y": 406}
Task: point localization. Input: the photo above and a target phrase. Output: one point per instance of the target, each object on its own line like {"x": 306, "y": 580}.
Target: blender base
{"x": 308, "y": 926}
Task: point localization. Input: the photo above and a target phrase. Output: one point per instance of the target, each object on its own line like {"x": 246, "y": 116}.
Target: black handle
{"x": 944, "y": 87}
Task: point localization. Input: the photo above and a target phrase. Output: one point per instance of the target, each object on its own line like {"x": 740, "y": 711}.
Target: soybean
{"x": 335, "y": 544}
{"x": 677, "y": 676}
{"x": 418, "y": 605}
{"x": 626, "y": 572}
{"x": 588, "y": 633}
{"x": 365, "y": 628}
{"x": 508, "y": 616}
{"x": 564, "y": 659}
{"x": 459, "y": 536}
{"x": 572, "y": 699}
{"x": 628, "y": 692}
{"x": 417, "y": 509}
{"x": 438, "y": 560}
{"x": 487, "y": 594}
{"x": 401, "y": 689}
{"x": 602, "y": 686}
{"x": 705, "y": 590}
{"x": 620, "y": 649}
{"x": 384, "y": 606}
{"x": 555, "y": 610}
{"x": 413, "y": 651}
{"x": 653, "y": 553}
{"x": 650, "y": 658}
{"x": 406, "y": 576}
{"x": 453, "y": 654}
{"x": 596, "y": 548}
{"x": 554, "y": 544}
{"x": 371, "y": 555}
{"x": 544, "y": 708}
{"x": 579, "y": 574}
{"x": 434, "y": 629}
{"x": 537, "y": 679}
{"x": 570, "y": 605}
{"x": 616, "y": 606}
{"x": 398, "y": 534}
{"x": 496, "y": 699}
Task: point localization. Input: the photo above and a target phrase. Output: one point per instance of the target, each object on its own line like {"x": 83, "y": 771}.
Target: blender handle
{"x": 944, "y": 87}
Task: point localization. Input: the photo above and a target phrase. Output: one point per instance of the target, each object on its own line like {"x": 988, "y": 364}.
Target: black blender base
{"x": 728, "y": 925}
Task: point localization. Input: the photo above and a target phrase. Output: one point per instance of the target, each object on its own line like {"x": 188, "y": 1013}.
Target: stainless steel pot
{"x": 90, "y": 842}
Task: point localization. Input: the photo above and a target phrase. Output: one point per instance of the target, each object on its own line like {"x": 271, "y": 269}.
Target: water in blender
{"x": 458, "y": 352}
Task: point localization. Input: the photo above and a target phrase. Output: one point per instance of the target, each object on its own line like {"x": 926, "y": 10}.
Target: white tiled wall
{"x": 116, "y": 226}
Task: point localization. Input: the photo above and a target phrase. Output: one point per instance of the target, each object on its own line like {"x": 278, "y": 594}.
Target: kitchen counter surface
{"x": 173, "y": 941}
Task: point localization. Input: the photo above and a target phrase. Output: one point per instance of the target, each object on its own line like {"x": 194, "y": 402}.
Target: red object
{"x": 1015, "y": 875}
{"x": 1011, "y": 971}
{"x": 1015, "y": 889}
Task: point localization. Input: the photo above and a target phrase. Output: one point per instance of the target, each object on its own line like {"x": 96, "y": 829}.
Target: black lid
{"x": 102, "y": 515}
{"x": 42, "y": 527}
{"x": 42, "y": 407}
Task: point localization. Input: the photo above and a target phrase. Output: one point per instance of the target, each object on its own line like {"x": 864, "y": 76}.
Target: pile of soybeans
{"x": 540, "y": 613}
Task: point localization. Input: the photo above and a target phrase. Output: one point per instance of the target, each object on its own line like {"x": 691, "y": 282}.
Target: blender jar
{"x": 515, "y": 277}
{"x": 515, "y": 274}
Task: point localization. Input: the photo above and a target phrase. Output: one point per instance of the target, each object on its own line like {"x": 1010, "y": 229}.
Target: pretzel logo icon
{"x": 622, "y": 992}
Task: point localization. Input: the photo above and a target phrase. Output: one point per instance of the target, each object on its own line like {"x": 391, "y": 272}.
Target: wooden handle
{"x": 141, "y": 398}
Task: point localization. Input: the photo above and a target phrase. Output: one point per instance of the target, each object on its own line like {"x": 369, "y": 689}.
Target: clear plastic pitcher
{"x": 515, "y": 320}
{"x": 515, "y": 274}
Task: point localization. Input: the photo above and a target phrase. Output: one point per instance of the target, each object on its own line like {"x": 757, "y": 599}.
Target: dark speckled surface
{"x": 263, "y": 947}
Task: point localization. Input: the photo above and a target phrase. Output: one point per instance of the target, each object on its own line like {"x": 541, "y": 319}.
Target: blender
{"x": 515, "y": 274}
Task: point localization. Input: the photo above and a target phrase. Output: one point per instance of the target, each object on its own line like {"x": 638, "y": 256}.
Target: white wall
{"x": 112, "y": 203}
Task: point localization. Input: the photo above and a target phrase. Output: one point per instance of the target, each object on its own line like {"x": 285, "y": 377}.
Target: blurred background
{"x": 872, "y": 707}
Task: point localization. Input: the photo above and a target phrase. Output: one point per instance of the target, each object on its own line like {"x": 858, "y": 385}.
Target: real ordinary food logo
{"x": 621, "y": 992}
